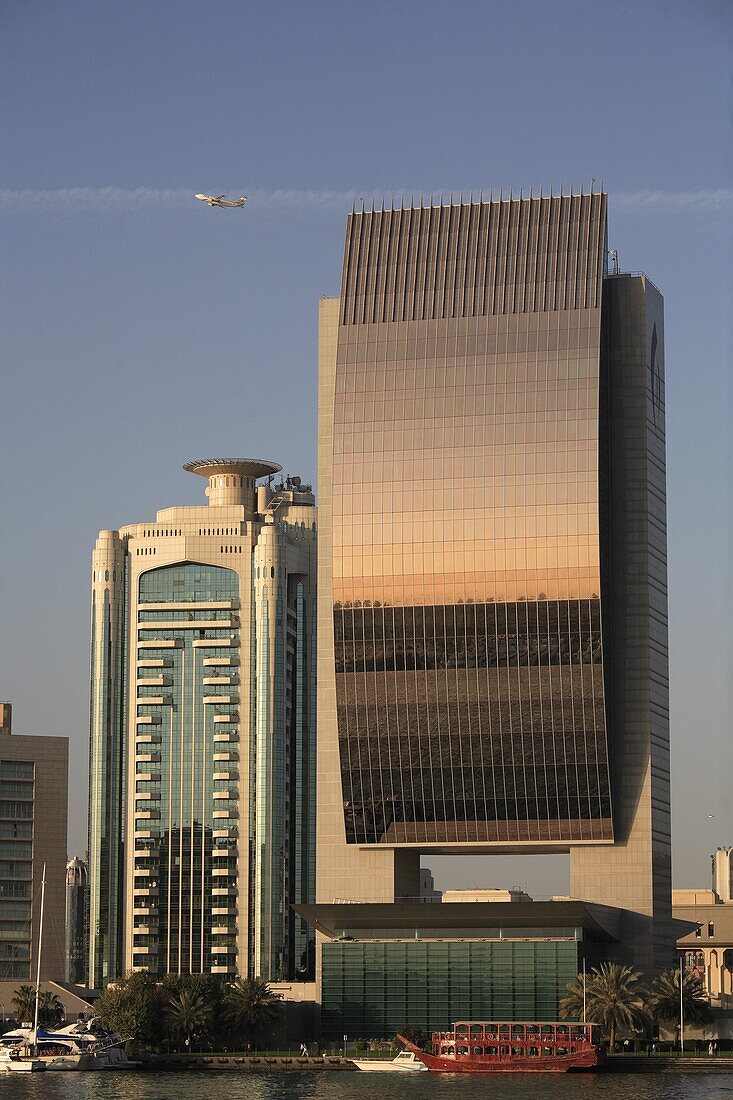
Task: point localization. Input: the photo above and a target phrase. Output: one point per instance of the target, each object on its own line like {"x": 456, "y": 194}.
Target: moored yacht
{"x": 74, "y": 1047}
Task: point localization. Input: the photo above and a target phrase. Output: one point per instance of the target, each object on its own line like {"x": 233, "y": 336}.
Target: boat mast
{"x": 38, "y": 968}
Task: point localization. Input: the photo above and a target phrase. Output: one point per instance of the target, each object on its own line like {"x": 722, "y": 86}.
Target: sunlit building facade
{"x": 202, "y": 757}
{"x": 493, "y": 663}
{"x": 34, "y": 774}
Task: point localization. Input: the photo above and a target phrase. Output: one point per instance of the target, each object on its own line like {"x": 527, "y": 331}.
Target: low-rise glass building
{"x": 427, "y": 965}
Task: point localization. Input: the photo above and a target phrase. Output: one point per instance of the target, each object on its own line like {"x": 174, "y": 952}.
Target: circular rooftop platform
{"x": 246, "y": 467}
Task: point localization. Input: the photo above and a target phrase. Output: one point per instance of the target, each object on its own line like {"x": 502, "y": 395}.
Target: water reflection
{"x": 233, "y": 1085}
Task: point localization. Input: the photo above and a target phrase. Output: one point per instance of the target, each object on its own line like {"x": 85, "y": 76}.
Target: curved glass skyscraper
{"x": 493, "y": 579}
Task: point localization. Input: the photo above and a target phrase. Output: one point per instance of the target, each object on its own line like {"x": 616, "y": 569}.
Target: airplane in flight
{"x": 220, "y": 200}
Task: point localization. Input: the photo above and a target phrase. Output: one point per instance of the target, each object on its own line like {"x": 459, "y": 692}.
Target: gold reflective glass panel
{"x": 467, "y": 551}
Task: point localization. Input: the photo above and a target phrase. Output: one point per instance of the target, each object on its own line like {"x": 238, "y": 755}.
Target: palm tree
{"x": 24, "y": 1001}
{"x": 665, "y": 999}
{"x": 571, "y": 1005}
{"x": 189, "y": 1013}
{"x": 249, "y": 1003}
{"x": 615, "y": 998}
{"x": 50, "y": 1008}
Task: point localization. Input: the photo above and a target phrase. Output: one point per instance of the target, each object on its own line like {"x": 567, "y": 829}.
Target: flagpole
{"x": 584, "y": 1015}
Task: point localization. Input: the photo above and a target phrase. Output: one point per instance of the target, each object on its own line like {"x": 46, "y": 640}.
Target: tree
{"x": 615, "y": 998}
{"x": 249, "y": 1004}
{"x": 133, "y": 1008}
{"x": 24, "y": 1003}
{"x": 665, "y": 999}
{"x": 414, "y": 1034}
{"x": 189, "y": 1013}
{"x": 50, "y": 1008}
{"x": 571, "y": 1005}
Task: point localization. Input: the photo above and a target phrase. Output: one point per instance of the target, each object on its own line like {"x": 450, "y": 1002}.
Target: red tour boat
{"x": 512, "y": 1048}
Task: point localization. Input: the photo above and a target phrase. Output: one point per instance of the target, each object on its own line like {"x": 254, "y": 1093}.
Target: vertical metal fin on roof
{"x": 515, "y": 255}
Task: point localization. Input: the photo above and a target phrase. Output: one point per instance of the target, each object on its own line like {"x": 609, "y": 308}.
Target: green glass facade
{"x": 370, "y": 990}
{"x": 183, "y": 865}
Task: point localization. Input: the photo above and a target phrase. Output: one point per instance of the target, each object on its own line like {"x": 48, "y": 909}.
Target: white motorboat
{"x": 75, "y": 1047}
{"x": 21, "y": 1062}
{"x": 404, "y": 1062}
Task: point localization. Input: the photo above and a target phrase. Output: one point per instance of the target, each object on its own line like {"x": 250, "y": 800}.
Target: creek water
{"x": 231, "y": 1085}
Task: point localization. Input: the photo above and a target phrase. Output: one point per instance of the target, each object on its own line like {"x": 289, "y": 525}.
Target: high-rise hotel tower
{"x": 492, "y": 580}
{"x": 202, "y": 754}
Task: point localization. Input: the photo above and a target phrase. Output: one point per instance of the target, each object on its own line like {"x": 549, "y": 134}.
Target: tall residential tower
{"x": 202, "y": 754}
{"x": 492, "y": 580}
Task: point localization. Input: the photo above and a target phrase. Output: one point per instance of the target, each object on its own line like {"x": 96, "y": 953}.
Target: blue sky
{"x": 141, "y": 329}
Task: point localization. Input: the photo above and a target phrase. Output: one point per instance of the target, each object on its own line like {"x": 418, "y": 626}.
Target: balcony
{"x": 147, "y": 758}
{"x": 219, "y": 834}
{"x": 148, "y": 720}
{"x": 212, "y": 700}
{"x": 154, "y": 701}
{"x": 224, "y": 853}
{"x": 156, "y": 662}
{"x": 231, "y": 776}
{"x": 148, "y": 814}
{"x": 223, "y": 661}
{"x": 161, "y": 643}
{"x": 230, "y": 736}
{"x": 215, "y": 643}
{"x": 233, "y": 794}
{"x": 223, "y": 872}
{"x": 219, "y": 815}
{"x": 192, "y": 604}
{"x": 224, "y": 891}
{"x": 221, "y": 757}
{"x": 225, "y": 949}
{"x": 223, "y": 969}
{"x": 220, "y": 910}
{"x": 154, "y": 681}
{"x": 187, "y": 624}
{"x": 223, "y": 930}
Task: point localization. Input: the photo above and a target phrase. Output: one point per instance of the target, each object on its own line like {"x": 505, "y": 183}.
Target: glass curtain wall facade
{"x": 492, "y": 580}
{"x": 186, "y": 800}
{"x": 467, "y": 554}
{"x": 371, "y": 990}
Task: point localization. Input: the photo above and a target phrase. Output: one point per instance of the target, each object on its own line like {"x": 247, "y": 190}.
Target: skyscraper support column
{"x": 635, "y": 872}
{"x": 106, "y": 758}
{"x": 270, "y": 854}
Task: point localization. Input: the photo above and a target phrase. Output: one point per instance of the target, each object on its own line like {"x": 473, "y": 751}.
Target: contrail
{"x": 139, "y": 200}
{"x": 718, "y": 200}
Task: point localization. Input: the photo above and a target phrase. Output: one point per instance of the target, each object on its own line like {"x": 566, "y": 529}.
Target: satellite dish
{"x": 296, "y": 482}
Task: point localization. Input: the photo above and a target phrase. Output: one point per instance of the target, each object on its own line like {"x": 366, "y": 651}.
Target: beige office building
{"x": 202, "y": 756}
{"x": 33, "y": 806}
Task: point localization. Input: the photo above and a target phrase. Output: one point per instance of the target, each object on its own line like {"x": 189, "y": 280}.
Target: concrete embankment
{"x": 257, "y": 1063}
{"x": 629, "y": 1063}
